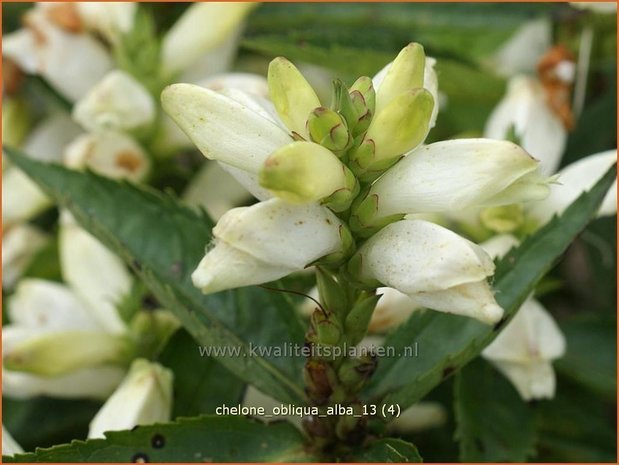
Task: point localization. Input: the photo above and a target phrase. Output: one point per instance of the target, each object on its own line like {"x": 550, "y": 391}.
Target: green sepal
{"x": 332, "y": 295}
{"x": 358, "y": 319}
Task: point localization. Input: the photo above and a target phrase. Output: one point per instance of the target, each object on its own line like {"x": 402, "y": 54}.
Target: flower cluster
{"x": 339, "y": 185}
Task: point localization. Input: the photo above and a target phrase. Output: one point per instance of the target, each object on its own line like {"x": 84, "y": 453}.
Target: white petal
{"x": 455, "y": 175}
{"x": 9, "y": 445}
{"x": 22, "y": 198}
{"x": 573, "y": 180}
{"x": 143, "y": 398}
{"x": 523, "y": 50}
{"x": 532, "y": 381}
{"x": 71, "y": 62}
{"x": 118, "y": 102}
{"x": 524, "y": 110}
{"x": 110, "y": 19}
{"x": 214, "y": 190}
{"x": 48, "y": 139}
{"x": 419, "y": 417}
{"x": 112, "y": 154}
{"x": 499, "y": 245}
{"x": 265, "y": 242}
{"x": 202, "y": 28}
{"x": 221, "y": 128}
{"x": 94, "y": 273}
{"x": 20, "y": 244}
{"x": 253, "y": 84}
{"x": 432, "y": 265}
{"x": 393, "y": 309}
{"x": 248, "y": 180}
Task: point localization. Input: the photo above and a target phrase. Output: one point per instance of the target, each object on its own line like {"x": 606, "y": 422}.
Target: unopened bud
{"x": 355, "y": 371}
{"x": 327, "y": 128}
{"x": 305, "y": 172}
{"x": 291, "y": 94}
{"x": 358, "y": 319}
{"x": 328, "y": 330}
{"x": 364, "y": 86}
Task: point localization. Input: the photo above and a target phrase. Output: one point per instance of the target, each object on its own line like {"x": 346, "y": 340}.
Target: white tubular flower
{"x": 110, "y": 19}
{"x": 112, "y": 154}
{"x": 434, "y": 266}
{"x": 80, "y": 254}
{"x": 21, "y": 197}
{"x": 523, "y": 50}
{"x": 9, "y": 445}
{"x": 143, "y": 398}
{"x": 214, "y": 190}
{"x": 54, "y": 47}
{"x": 393, "y": 309}
{"x": 525, "y": 349}
{"x": 455, "y": 175}
{"x": 20, "y": 244}
{"x": 204, "y": 37}
{"x": 573, "y": 180}
{"x": 267, "y": 241}
{"x": 44, "y": 314}
{"x": 118, "y": 103}
{"x": 222, "y": 128}
{"x": 524, "y": 113}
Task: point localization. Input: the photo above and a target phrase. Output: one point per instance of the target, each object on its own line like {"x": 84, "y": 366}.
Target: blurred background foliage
{"x": 359, "y": 39}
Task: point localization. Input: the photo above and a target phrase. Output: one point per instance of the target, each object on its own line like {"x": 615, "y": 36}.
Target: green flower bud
{"x": 364, "y": 86}
{"x": 337, "y": 258}
{"x": 327, "y": 128}
{"x": 327, "y": 327}
{"x": 305, "y": 172}
{"x": 405, "y": 73}
{"x": 332, "y": 294}
{"x": 341, "y": 102}
{"x": 291, "y": 94}
{"x": 15, "y": 121}
{"x": 56, "y": 354}
{"x": 363, "y": 219}
{"x": 400, "y": 127}
{"x": 355, "y": 371}
{"x": 502, "y": 219}
{"x": 358, "y": 318}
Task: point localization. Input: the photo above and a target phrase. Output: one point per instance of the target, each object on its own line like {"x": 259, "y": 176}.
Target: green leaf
{"x": 387, "y": 450}
{"x": 494, "y": 423}
{"x": 594, "y": 369}
{"x": 204, "y": 439}
{"x": 447, "y": 342}
{"x": 163, "y": 242}
{"x": 200, "y": 383}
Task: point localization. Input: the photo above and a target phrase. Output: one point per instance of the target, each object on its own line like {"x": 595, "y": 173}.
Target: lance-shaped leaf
{"x": 405, "y": 380}
{"x": 163, "y": 242}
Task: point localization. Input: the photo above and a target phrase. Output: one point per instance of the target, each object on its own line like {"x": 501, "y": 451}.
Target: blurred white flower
{"x": 9, "y": 445}
{"x": 420, "y": 417}
{"x": 110, "y": 19}
{"x": 144, "y": 397}
{"x": 20, "y": 244}
{"x": 597, "y": 7}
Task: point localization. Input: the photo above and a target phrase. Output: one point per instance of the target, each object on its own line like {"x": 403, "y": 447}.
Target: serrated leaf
{"x": 163, "y": 242}
{"x": 387, "y": 450}
{"x": 447, "y": 342}
{"x": 494, "y": 424}
{"x": 200, "y": 383}
{"x": 204, "y": 439}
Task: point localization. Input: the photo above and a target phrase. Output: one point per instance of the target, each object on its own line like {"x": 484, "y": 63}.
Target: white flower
{"x": 118, "y": 102}
{"x": 419, "y": 417}
{"x": 524, "y": 111}
{"x": 41, "y": 309}
{"x": 597, "y": 7}
{"x": 203, "y": 40}
{"x": 20, "y": 244}
{"x": 455, "y": 175}
{"x": 435, "y": 267}
{"x": 265, "y": 242}
{"x": 71, "y": 61}
{"x": 9, "y": 445}
{"x": 525, "y": 349}
{"x": 110, "y": 19}
{"x": 143, "y": 398}
{"x": 572, "y": 181}
{"x": 108, "y": 153}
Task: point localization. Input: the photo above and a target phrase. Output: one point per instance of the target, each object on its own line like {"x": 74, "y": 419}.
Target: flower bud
{"x": 291, "y": 94}
{"x": 118, "y": 103}
{"x": 267, "y": 241}
{"x": 327, "y": 327}
{"x": 327, "y": 128}
{"x": 111, "y": 154}
{"x": 398, "y": 128}
{"x": 222, "y": 128}
{"x": 525, "y": 349}
{"x": 143, "y": 398}
{"x": 358, "y": 318}
{"x": 405, "y": 73}
{"x": 110, "y": 19}
{"x": 59, "y": 353}
{"x": 203, "y": 28}
{"x": 435, "y": 267}
{"x": 353, "y": 372}
{"x": 573, "y": 180}
{"x": 304, "y": 172}
{"x": 454, "y": 175}
{"x": 365, "y": 88}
